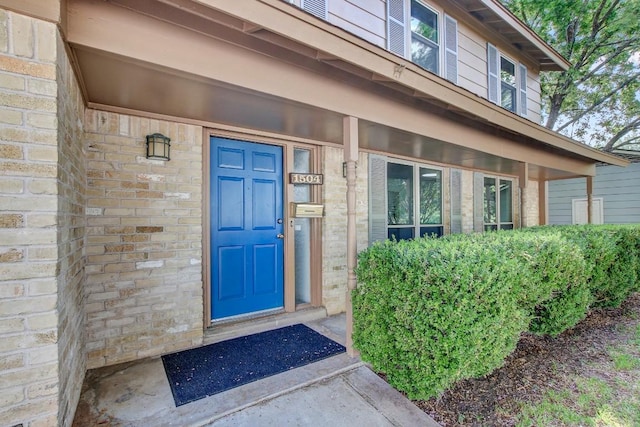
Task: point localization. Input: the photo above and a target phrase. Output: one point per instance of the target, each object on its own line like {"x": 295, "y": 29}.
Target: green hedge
{"x": 430, "y": 312}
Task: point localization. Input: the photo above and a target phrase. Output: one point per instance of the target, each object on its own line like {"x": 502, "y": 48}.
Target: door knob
{"x": 280, "y": 236}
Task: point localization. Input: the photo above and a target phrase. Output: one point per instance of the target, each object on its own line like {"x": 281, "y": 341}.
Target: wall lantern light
{"x": 158, "y": 146}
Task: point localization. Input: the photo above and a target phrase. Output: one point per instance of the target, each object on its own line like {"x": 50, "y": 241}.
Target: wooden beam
{"x": 48, "y": 10}
{"x": 523, "y": 184}
{"x": 589, "y": 200}
{"x": 350, "y": 129}
{"x": 523, "y": 175}
{"x": 542, "y": 202}
{"x": 251, "y": 28}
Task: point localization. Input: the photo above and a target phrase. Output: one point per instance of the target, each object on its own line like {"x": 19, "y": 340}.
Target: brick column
{"x": 29, "y": 313}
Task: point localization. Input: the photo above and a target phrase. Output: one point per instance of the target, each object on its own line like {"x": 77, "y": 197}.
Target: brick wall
{"x": 334, "y": 226}
{"x": 28, "y": 216}
{"x": 144, "y": 240}
{"x": 466, "y": 190}
{"x": 530, "y": 216}
{"x": 71, "y": 190}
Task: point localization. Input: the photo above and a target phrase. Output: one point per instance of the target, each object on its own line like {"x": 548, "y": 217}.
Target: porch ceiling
{"x": 115, "y": 81}
{"x": 178, "y": 58}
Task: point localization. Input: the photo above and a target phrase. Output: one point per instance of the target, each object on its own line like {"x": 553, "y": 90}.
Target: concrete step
{"x": 252, "y": 325}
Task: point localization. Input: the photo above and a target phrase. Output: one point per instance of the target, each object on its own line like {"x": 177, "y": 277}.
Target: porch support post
{"x": 350, "y": 139}
{"x": 523, "y": 182}
{"x": 542, "y": 202}
{"x": 589, "y": 200}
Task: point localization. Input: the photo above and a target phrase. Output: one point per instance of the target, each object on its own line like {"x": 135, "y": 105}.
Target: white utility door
{"x": 579, "y": 211}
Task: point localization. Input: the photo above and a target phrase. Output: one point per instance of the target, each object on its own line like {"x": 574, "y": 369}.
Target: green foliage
{"x": 431, "y": 312}
{"x": 423, "y": 301}
{"x": 611, "y": 253}
{"x": 599, "y": 90}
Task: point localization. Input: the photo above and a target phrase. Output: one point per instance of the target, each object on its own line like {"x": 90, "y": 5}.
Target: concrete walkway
{"x": 338, "y": 391}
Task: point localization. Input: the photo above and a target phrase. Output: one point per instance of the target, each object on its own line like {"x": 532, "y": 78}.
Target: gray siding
{"x": 618, "y": 187}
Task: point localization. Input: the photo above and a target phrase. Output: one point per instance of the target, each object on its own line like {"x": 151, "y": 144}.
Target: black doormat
{"x": 200, "y": 372}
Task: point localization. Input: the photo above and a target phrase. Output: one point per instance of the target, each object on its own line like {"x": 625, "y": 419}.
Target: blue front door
{"x": 247, "y": 246}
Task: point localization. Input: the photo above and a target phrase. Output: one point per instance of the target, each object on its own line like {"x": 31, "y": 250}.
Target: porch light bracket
{"x": 158, "y": 146}
{"x": 344, "y": 169}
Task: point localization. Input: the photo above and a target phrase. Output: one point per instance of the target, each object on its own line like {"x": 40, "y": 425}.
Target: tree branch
{"x": 601, "y": 101}
{"x": 633, "y": 125}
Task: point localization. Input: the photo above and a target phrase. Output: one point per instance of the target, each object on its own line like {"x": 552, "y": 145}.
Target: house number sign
{"x": 306, "y": 178}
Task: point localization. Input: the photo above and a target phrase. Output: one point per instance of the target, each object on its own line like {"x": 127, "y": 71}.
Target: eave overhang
{"x": 494, "y": 15}
{"x": 47, "y": 10}
{"x": 278, "y": 69}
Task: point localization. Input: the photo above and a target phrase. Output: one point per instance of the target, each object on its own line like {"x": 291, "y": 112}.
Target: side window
{"x": 507, "y": 82}
{"x": 498, "y": 204}
{"x": 400, "y": 206}
{"x": 430, "y": 201}
{"x": 410, "y": 200}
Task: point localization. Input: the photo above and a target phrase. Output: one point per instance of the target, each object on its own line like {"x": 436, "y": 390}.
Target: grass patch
{"x": 593, "y": 402}
{"x": 554, "y": 408}
{"x": 624, "y": 361}
{"x": 589, "y": 376}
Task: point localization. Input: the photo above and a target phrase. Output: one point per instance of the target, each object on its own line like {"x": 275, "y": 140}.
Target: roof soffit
{"x": 493, "y": 15}
{"x": 343, "y": 50}
{"x": 289, "y": 29}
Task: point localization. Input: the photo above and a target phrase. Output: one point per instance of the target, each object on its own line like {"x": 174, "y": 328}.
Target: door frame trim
{"x": 289, "y": 256}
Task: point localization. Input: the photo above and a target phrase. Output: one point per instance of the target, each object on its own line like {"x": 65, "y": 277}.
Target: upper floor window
{"x": 428, "y": 37}
{"x": 507, "y": 82}
{"x": 425, "y": 37}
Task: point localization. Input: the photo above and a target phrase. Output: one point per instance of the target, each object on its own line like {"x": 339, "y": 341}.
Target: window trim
{"x": 498, "y": 224}
{"x": 520, "y": 76}
{"x": 399, "y": 35}
{"x": 516, "y": 89}
{"x": 417, "y": 224}
{"x": 440, "y": 44}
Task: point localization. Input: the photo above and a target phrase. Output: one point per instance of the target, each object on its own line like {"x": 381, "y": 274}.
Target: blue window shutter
{"x": 377, "y": 198}
{"x": 522, "y": 83}
{"x": 316, "y": 7}
{"x": 493, "y": 73}
{"x": 396, "y": 36}
{"x": 451, "y": 49}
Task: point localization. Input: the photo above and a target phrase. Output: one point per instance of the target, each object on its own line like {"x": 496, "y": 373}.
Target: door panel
{"x": 246, "y": 220}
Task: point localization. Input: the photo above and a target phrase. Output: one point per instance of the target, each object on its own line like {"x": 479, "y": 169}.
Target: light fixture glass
{"x": 158, "y": 146}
